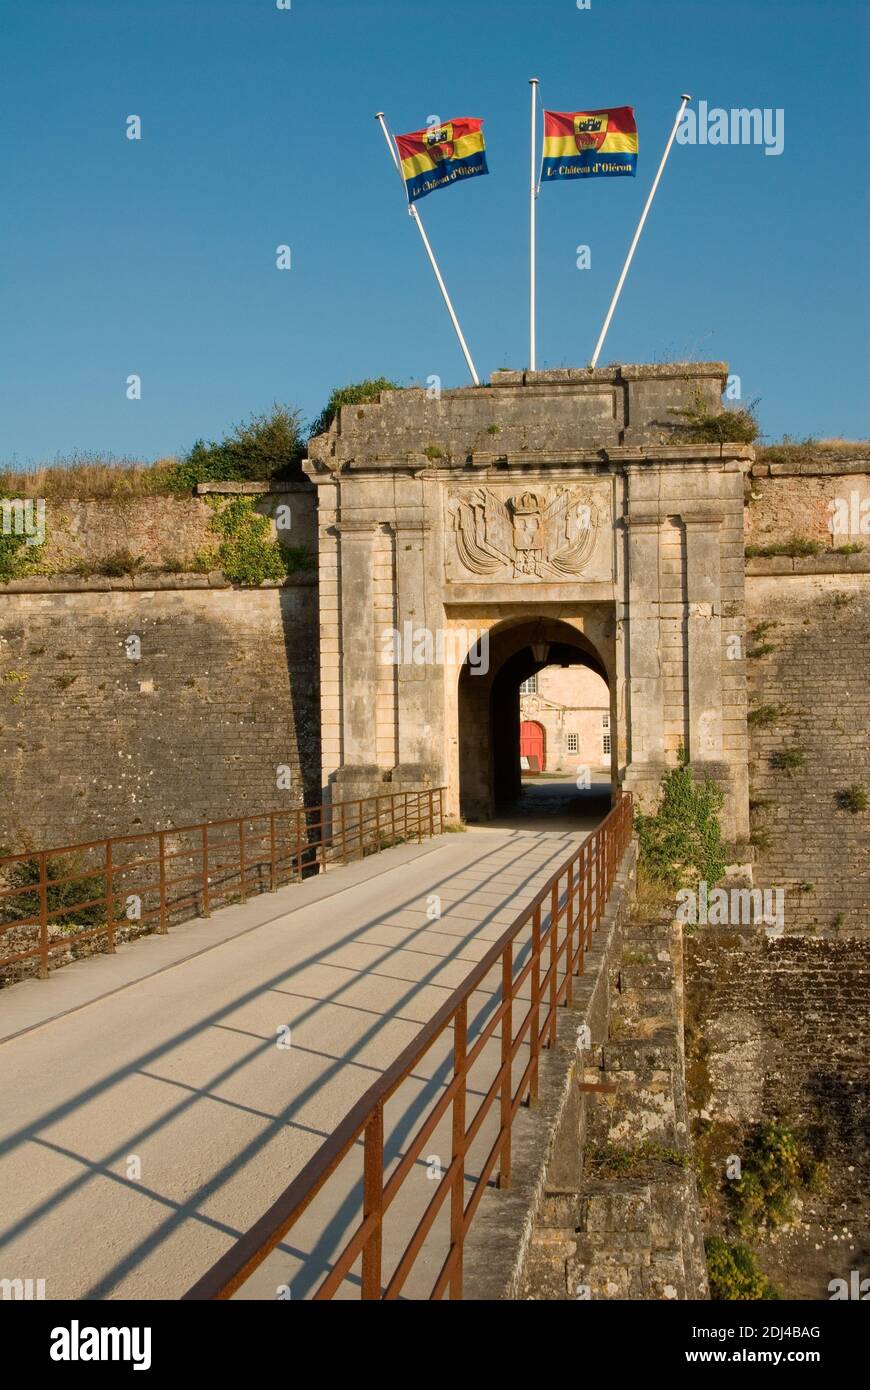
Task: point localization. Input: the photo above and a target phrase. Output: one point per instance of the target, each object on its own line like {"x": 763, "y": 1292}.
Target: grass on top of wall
{"x": 790, "y": 450}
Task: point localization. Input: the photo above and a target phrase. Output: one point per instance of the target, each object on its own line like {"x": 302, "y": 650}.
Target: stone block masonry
{"x": 779, "y": 1030}
{"x": 94, "y": 743}
{"x": 808, "y": 682}
{"x": 571, "y": 498}
{"x": 807, "y": 495}
{"x": 164, "y": 531}
{"x": 628, "y": 1226}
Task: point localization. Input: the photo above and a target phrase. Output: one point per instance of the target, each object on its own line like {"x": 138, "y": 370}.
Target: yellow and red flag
{"x": 440, "y": 155}
{"x": 589, "y": 144}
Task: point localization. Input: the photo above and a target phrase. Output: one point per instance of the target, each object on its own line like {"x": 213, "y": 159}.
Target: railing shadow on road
{"x": 588, "y": 878}
{"x": 189, "y": 1209}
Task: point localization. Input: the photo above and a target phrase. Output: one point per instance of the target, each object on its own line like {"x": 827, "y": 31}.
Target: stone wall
{"x": 808, "y": 686}
{"x": 779, "y": 1031}
{"x": 795, "y": 496}
{"x": 163, "y": 532}
{"x": 629, "y": 1225}
{"x": 93, "y": 743}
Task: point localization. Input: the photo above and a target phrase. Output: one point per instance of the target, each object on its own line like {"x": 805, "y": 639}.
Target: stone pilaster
{"x": 420, "y": 681}
{"x": 704, "y": 636}
{"x": 645, "y": 675}
{"x": 359, "y": 653}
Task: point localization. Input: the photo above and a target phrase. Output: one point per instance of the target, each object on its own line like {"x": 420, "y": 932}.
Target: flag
{"x": 440, "y": 155}
{"x": 589, "y": 144}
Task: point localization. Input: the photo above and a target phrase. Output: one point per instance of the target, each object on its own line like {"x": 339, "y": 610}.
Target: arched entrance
{"x": 533, "y": 746}
{"x": 489, "y": 723}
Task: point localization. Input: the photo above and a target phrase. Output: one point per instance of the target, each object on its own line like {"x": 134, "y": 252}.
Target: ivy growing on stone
{"x": 247, "y": 552}
{"x": 681, "y": 844}
{"x": 734, "y": 1274}
{"x": 17, "y": 558}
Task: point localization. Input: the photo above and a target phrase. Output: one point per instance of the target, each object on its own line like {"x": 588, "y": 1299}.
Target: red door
{"x": 533, "y": 744}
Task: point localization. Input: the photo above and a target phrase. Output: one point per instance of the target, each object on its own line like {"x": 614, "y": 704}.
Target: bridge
{"x": 313, "y": 1090}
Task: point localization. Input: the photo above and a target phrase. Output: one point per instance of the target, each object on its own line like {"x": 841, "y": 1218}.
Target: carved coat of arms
{"x": 529, "y": 534}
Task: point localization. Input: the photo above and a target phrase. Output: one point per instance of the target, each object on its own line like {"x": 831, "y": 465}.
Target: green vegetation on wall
{"x": 853, "y": 798}
{"x": 77, "y": 885}
{"x": 681, "y": 844}
{"x": 775, "y": 1168}
{"x": 734, "y": 1275}
{"x": 705, "y": 426}
{"x": 357, "y": 393}
{"x": 17, "y": 557}
{"x": 247, "y": 551}
{"x": 264, "y": 447}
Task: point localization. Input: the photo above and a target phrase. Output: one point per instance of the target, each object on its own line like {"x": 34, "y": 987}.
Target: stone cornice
{"x": 147, "y": 583}
{"x": 606, "y": 459}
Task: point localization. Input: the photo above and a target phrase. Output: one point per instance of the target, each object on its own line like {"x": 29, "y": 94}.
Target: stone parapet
{"x": 523, "y": 411}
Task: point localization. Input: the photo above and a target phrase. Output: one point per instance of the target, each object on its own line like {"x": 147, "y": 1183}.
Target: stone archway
{"x": 488, "y": 706}
{"x": 572, "y": 494}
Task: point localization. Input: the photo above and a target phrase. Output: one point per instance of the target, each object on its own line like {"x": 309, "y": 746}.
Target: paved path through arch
{"x": 154, "y": 1117}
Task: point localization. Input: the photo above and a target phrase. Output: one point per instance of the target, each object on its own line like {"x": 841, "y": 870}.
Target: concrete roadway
{"x": 147, "y": 1113}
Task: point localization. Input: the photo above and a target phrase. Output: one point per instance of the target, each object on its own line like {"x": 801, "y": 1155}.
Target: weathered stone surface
{"x": 163, "y": 529}
{"x": 779, "y": 1029}
{"x": 558, "y": 510}
{"x": 94, "y": 743}
{"x": 634, "y": 1233}
{"x": 809, "y": 678}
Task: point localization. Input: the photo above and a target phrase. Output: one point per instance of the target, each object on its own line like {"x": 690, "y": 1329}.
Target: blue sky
{"x": 157, "y": 257}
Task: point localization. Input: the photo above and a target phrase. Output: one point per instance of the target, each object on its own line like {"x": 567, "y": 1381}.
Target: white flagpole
{"x": 631, "y": 250}
{"x": 379, "y": 116}
{"x": 533, "y": 83}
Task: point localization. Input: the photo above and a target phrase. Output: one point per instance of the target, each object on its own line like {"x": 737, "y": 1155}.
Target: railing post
{"x": 206, "y": 897}
{"x": 506, "y": 1092}
{"x": 419, "y": 822}
{"x": 594, "y": 883}
{"x": 373, "y": 1200}
{"x": 343, "y": 833}
{"x": 161, "y": 855}
{"x": 535, "y": 1021}
{"x": 273, "y": 860}
{"x": 243, "y": 868}
{"x": 299, "y": 845}
{"x": 43, "y": 916}
{"x": 429, "y": 797}
{"x": 440, "y": 810}
{"x": 569, "y": 943}
{"x": 457, "y": 1195}
{"x": 554, "y": 963}
{"x": 110, "y": 899}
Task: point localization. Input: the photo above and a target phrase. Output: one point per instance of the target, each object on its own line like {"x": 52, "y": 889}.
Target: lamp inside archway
{"x": 540, "y": 648}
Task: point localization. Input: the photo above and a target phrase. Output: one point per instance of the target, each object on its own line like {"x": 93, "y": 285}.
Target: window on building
{"x": 529, "y": 687}
{"x": 605, "y": 740}
{"x": 605, "y": 722}
{"x": 573, "y": 743}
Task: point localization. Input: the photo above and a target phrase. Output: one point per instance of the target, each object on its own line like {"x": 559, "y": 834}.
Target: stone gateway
{"x": 564, "y": 516}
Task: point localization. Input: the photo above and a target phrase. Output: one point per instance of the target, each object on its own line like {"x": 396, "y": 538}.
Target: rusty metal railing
{"x": 534, "y": 962}
{"x": 154, "y": 879}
